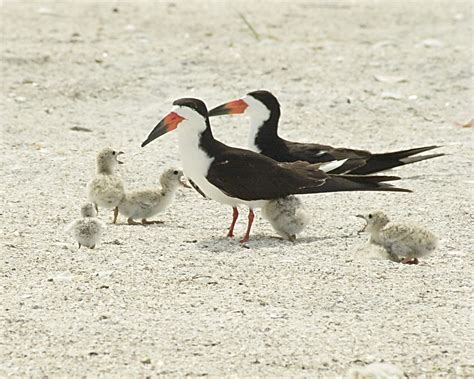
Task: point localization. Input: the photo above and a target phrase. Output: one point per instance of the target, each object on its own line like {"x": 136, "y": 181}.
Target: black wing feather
{"x": 250, "y": 176}
{"x": 360, "y": 162}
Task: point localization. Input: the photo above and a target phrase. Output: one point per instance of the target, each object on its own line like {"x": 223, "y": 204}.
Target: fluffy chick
{"x": 287, "y": 216}
{"x": 404, "y": 240}
{"x": 147, "y": 203}
{"x": 87, "y": 231}
{"x": 376, "y": 371}
{"x": 106, "y": 188}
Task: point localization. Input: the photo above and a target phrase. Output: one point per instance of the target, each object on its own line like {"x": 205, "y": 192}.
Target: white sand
{"x": 179, "y": 299}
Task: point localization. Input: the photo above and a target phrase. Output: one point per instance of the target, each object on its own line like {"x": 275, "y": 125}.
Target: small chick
{"x": 147, "y": 203}
{"x": 403, "y": 240}
{"x": 106, "y": 188}
{"x": 287, "y": 216}
{"x": 87, "y": 230}
{"x": 376, "y": 371}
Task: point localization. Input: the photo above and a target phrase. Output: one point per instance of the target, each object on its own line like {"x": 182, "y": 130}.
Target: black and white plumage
{"x": 403, "y": 240}
{"x": 235, "y": 176}
{"x": 263, "y": 109}
{"x": 88, "y": 229}
{"x": 106, "y": 188}
{"x": 144, "y": 204}
{"x": 287, "y": 216}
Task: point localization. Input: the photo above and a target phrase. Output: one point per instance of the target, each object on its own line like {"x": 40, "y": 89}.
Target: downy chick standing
{"x": 87, "y": 231}
{"x": 147, "y": 203}
{"x": 287, "y": 216}
{"x": 106, "y": 188}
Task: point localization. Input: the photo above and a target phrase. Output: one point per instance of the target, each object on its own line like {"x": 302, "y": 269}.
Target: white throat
{"x": 258, "y": 114}
{"x": 195, "y": 160}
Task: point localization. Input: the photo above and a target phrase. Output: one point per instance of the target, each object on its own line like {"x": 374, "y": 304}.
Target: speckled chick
{"x": 87, "y": 231}
{"x": 376, "y": 371}
{"x": 404, "y": 240}
{"x": 147, "y": 203}
{"x": 106, "y": 188}
{"x": 287, "y": 216}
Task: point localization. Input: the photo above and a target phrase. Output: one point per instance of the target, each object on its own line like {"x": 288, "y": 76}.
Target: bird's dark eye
{"x": 175, "y": 172}
{"x": 113, "y": 152}
{"x": 370, "y": 216}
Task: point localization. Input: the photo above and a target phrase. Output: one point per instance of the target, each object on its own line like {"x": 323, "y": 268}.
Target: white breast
{"x": 196, "y": 163}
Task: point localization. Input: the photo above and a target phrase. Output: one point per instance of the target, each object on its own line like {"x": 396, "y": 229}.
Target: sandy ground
{"x": 179, "y": 299}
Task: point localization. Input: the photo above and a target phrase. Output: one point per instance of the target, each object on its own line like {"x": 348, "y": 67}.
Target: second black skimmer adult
{"x": 235, "y": 176}
{"x": 264, "y": 111}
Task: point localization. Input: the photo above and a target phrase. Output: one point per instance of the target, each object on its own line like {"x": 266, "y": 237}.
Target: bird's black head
{"x": 195, "y": 104}
{"x": 182, "y": 111}
{"x": 267, "y": 98}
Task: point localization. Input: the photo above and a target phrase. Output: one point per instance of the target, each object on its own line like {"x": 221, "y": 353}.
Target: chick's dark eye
{"x": 175, "y": 172}
{"x": 113, "y": 152}
{"x": 370, "y": 216}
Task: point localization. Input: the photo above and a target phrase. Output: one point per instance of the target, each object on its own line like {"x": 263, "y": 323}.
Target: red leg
{"x": 249, "y": 226}
{"x": 234, "y": 220}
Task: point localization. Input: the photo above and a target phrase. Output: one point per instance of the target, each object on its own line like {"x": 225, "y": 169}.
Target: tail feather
{"x": 387, "y": 161}
{"x": 339, "y": 183}
{"x": 405, "y": 153}
{"x": 420, "y": 158}
{"x": 371, "y": 183}
{"x": 381, "y": 162}
{"x": 369, "y": 178}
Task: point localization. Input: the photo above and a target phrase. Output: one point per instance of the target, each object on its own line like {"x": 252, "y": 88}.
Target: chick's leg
{"x": 115, "y": 215}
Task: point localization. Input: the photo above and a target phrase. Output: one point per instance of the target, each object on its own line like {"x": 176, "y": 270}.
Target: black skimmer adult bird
{"x": 235, "y": 176}
{"x": 264, "y": 111}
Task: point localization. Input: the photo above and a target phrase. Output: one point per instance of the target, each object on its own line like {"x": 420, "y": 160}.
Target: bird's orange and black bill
{"x": 232, "y": 107}
{"x": 170, "y": 122}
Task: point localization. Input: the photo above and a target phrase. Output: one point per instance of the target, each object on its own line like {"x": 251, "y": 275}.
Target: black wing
{"x": 250, "y": 176}
{"x": 359, "y": 162}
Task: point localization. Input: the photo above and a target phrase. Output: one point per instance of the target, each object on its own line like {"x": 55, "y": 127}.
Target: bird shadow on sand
{"x": 260, "y": 241}
{"x": 138, "y": 224}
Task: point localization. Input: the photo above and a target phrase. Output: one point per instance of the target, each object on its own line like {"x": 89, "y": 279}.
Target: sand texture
{"x": 179, "y": 299}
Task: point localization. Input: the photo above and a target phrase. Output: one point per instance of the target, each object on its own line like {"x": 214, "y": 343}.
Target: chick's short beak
{"x": 232, "y": 107}
{"x": 117, "y": 157}
{"x": 365, "y": 226}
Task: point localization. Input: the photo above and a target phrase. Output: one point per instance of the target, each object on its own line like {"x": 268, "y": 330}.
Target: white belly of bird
{"x": 196, "y": 164}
